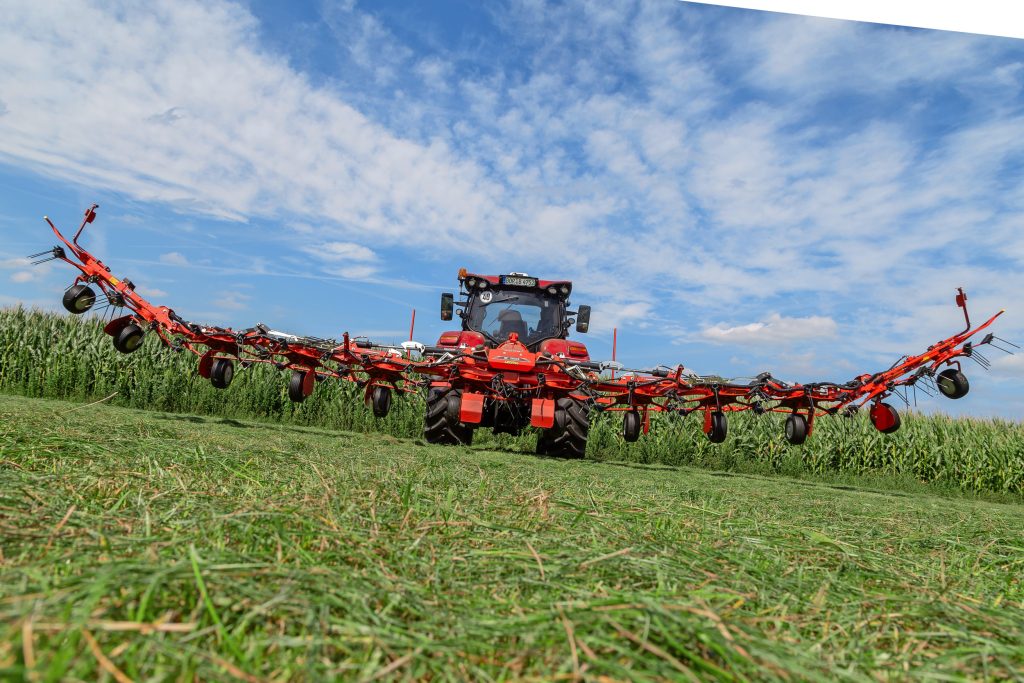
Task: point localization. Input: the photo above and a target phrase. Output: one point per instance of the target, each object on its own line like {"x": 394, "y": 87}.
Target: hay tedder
{"x": 512, "y": 366}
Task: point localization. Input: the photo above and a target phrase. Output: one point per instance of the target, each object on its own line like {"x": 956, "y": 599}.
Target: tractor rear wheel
{"x": 567, "y": 437}
{"x": 441, "y": 423}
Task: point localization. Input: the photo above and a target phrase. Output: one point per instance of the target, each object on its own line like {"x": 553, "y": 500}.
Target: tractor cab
{"x": 496, "y": 307}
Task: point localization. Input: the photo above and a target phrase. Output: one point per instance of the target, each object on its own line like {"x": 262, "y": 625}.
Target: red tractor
{"x": 511, "y": 365}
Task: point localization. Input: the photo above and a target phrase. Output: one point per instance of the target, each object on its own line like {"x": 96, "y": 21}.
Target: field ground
{"x": 157, "y": 546}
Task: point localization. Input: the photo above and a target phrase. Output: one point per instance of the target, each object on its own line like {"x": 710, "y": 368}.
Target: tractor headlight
{"x": 565, "y": 289}
{"x": 553, "y": 290}
{"x": 482, "y": 284}
{"x": 470, "y": 283}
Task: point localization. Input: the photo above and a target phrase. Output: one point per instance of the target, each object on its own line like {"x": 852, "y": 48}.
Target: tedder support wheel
{"x": 631, "y": 424}
{"x": 953, "y": 383}
{"x": 295, "y": 383}
{"x": 222, "y": 371}
{"x": 796, "y": 429}
{"x": 79, "y": 298}
{"x": 380, "y": 399}
{"x": 129, "y": 338}
{"x": 719, "y": 427}
{"x": 441, "y": 423}
{"x": 885, "y": 418}
{"x": 567, "y": 437}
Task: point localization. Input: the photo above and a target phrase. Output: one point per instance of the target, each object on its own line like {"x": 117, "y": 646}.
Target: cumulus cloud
{"x": 775, "y": 329}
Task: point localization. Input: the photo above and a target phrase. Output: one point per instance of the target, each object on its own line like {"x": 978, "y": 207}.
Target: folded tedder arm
{"x": 509, "y": 387}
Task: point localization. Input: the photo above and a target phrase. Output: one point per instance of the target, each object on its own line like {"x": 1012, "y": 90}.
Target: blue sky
{"x": 736, "y": 190}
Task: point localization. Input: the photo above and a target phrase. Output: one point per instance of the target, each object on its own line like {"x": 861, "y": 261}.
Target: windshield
{"x": 530, "y": 315}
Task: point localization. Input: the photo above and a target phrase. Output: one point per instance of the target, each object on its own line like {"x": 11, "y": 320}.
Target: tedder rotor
{"x": 512, "y": 365}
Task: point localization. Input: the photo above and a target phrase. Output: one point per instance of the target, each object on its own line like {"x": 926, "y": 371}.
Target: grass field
{"x": 159, "y": 546}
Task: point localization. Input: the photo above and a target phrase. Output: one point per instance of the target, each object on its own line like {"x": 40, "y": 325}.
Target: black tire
{"x": 719, "y": 427}
{"x": 567, "y": 437}
{"x": 295, "y": 386}
{"x": 129, "y": 339}
{"x": 953, "y": 383}
{"x": 79, "y": 298}
{"x": 222, "y": 371}
{"x": 885, "y": 418}
{"x": 796, "y": 429}
{"x": 441, "y": 423}
{"x": 380, "y": 399}
{"x": 631, "y": 424}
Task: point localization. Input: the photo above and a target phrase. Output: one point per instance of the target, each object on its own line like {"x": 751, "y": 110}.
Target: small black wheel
{"x": 631, "y": 424}
{"x": 79, "y": 298}
{"x": 441, "y": 424}
{"x": 129, "y": 338}
{"x": 953, "y": 383}
{"x": 719, "y": 427}
{"x": 222, "y": 372}
{"x": 885, "y": 418}
{"x": 295, "y": 392}
{"x": 380, "y": 399}
{"x": 796, "y": 429}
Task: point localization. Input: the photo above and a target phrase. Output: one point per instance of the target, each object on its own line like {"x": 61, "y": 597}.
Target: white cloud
{"x": 23, "y": 276}
{"x": 354, "y": 272}
{"x": 343, "y": 251}
{"x": 776, "y": 329}
{"x": 174, "y": 258}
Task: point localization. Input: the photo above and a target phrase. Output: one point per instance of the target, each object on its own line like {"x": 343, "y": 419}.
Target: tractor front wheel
{"x": 567, "y": 437}
{"x": 441, "y": 424}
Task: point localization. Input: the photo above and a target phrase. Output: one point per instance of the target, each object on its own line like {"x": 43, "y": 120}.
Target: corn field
{"x": 65, "y": 357}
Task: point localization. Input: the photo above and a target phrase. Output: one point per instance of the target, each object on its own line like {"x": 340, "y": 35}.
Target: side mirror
{"x": 447, "y": 305}
{"x": 583, "y": 319}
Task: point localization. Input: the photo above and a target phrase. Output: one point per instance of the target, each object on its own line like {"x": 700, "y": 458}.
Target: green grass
{"x": 166, "y": 546}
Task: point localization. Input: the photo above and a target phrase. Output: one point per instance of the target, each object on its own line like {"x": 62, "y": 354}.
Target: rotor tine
{"x": 1006, "y": 341}
{"x": 1001, "y": 348}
